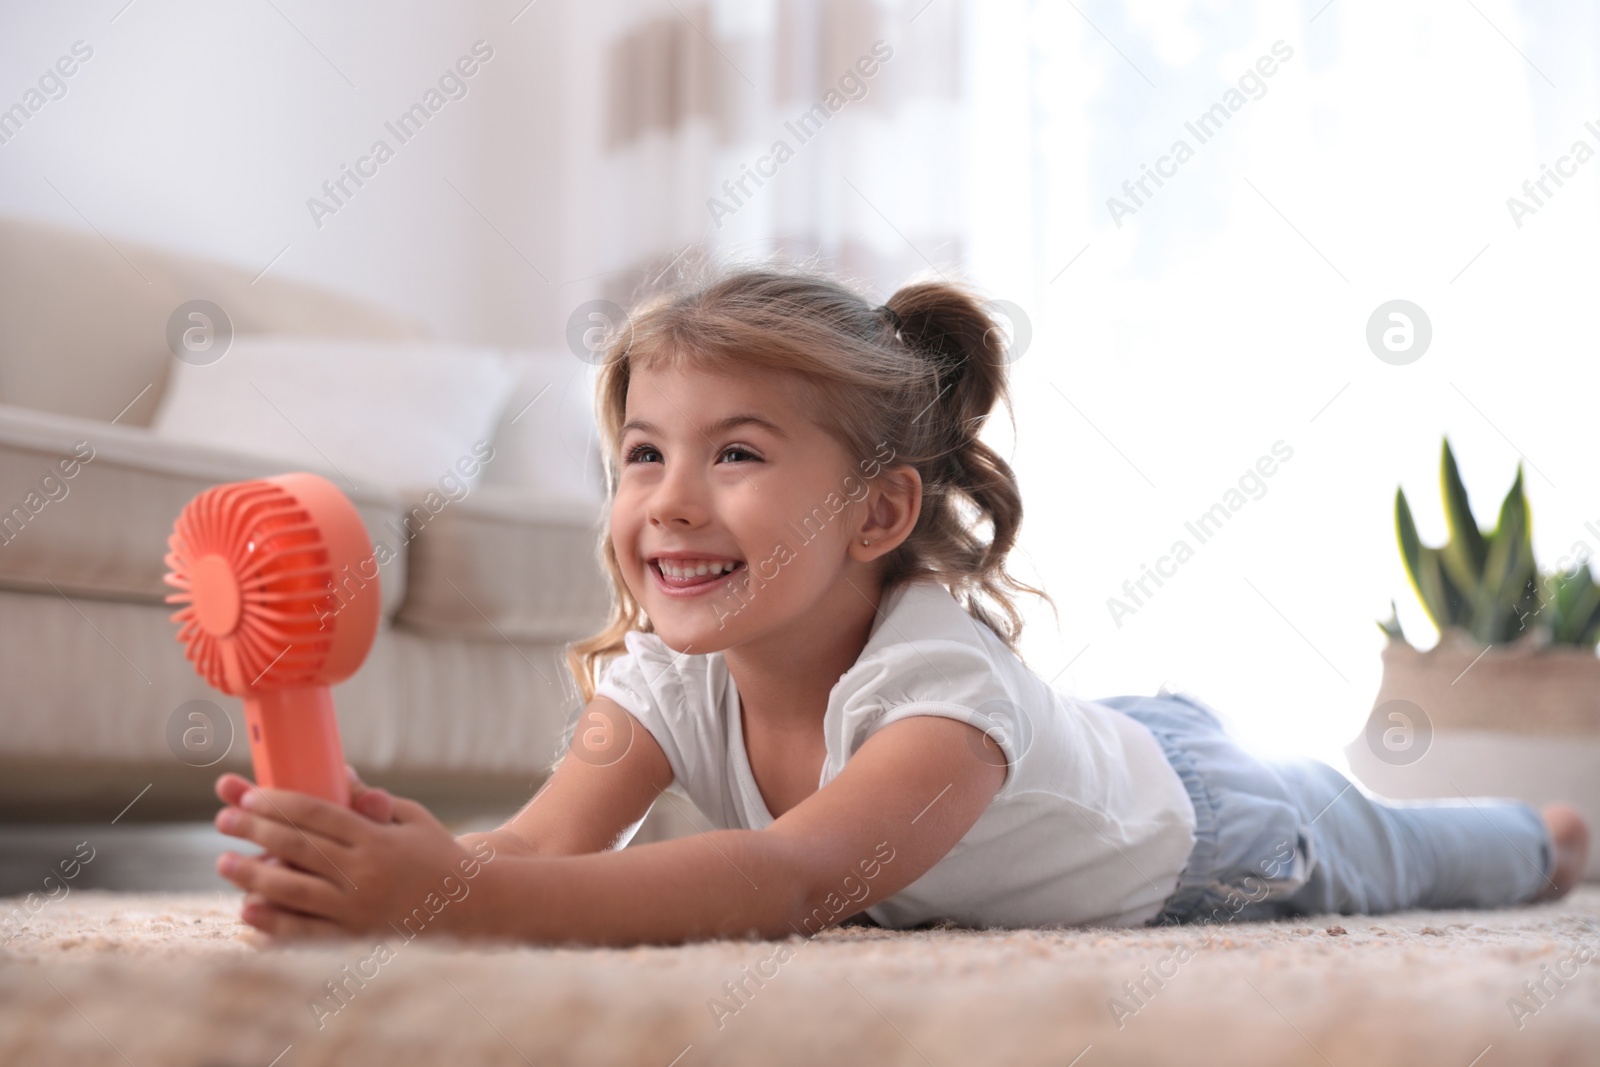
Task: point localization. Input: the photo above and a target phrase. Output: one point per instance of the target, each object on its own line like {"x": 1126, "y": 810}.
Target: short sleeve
{"x": 672, "y": 696}
{"x": 953, "y": 679}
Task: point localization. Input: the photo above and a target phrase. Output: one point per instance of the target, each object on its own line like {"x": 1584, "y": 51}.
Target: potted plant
{"x": 1507, "y": 703}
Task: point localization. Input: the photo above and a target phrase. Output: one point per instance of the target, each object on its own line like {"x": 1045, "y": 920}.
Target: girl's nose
{"x": 679, "y": 499}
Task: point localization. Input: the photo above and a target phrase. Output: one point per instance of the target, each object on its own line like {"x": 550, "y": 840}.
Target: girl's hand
{"x": 375, "y": 804}
{"x": 333, "y": 872}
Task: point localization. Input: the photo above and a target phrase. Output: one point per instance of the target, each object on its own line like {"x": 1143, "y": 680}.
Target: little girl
{"x": 813, "y": 635}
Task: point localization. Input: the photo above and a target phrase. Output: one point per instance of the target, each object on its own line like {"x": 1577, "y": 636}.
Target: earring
{"x": 866, "y": 542}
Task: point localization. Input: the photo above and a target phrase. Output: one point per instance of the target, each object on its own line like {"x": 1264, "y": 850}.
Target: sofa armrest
{"x": 102, "y": 531}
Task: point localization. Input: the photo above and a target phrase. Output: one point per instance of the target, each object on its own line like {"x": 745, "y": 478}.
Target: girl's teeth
{"x": 696, "y": 569}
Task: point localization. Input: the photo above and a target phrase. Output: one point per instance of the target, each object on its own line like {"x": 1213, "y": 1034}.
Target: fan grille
{"x": 270, "y": 632}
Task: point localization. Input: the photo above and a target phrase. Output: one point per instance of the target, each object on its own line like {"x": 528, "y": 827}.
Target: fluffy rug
{"x": 103, "y": 978}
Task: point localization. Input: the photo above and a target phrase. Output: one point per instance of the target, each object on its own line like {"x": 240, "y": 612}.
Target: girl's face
{"x": 734, "y": 513}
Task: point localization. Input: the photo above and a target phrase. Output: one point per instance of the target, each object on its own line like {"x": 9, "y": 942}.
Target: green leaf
{"x": 1585, "y": 610}
{"x": 1441, "y": 597}
{"x": 1466, "y": 551}
{"x": 1576, "y": 607}
{"x": 1560, "y": 592}
{"x": 1445, "y": 603}
{"x": 1590, "y": 637}
{"x": 1528, "y": 612}
{"x": 1391, "y": 625}
{"x": 1410, "y": 543}
{"x": 1507, "y": 572}
{"x": 1515, "y": 505}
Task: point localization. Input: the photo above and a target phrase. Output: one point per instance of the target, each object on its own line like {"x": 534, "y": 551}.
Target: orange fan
{"x": 257, "y": 564}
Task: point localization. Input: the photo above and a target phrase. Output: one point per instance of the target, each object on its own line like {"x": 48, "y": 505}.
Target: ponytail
{"x": 965, "y": 350}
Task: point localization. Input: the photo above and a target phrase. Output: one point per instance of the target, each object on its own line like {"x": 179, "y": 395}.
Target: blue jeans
{"x": 1296, "y": 837}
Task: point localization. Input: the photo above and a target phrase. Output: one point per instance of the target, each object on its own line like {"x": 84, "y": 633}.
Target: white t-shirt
{"x": 1091, "y": 826}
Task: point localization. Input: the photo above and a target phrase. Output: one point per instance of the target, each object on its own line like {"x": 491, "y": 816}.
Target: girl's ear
{"x": 894, "y": 501}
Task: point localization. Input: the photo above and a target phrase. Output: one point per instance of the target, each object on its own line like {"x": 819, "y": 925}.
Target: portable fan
{"x": 257, "y": 564}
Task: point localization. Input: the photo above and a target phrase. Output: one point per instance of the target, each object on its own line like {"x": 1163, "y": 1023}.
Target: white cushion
{"x": 379, "y": 414}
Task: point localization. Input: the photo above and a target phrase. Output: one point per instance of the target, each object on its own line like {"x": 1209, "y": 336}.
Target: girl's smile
{"x": 687, "y": 575}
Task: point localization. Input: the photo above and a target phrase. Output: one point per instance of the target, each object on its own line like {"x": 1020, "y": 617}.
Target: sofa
{"x": 464, "y": 700}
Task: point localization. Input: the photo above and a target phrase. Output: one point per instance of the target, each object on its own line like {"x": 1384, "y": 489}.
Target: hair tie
{"x": 890, "y": 314}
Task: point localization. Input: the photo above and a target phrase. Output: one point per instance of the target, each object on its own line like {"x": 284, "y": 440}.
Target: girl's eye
{"x": 650, "y": 454}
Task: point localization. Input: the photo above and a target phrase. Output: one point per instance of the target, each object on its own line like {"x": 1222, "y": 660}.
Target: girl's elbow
{"x": 821, "y": 905}
{"x": 816, "y": 896}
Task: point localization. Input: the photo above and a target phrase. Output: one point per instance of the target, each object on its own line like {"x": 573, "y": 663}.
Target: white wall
{"x": 206, "y": 127}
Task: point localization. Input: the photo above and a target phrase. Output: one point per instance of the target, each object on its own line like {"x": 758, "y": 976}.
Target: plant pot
{"x": 1462, "y": 720}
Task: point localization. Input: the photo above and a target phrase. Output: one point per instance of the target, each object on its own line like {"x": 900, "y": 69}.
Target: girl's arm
{"x": 902, "y": 801}
{"x": 611, "y": 775}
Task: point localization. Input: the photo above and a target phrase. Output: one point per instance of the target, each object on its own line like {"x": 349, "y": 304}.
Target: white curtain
{"x": 823, "y": 131}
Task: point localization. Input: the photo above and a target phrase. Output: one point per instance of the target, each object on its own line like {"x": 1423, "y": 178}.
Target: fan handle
{"x": 294, "y": 742}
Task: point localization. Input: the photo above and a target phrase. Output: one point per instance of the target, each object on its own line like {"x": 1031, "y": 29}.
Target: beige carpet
{"x": 99, "y": 978}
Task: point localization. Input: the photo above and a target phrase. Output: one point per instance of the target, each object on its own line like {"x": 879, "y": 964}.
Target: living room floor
{"x": 172, "y": 978}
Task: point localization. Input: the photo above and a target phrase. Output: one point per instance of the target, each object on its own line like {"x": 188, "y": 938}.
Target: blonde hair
{"x": 921, "y": 377}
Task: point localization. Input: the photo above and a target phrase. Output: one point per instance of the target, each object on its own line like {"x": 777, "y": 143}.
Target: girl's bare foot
{"x": 1570, "y": 835}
